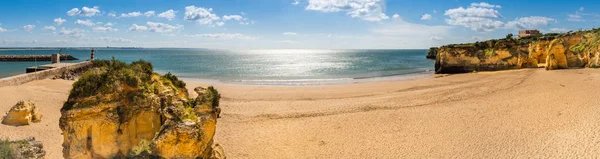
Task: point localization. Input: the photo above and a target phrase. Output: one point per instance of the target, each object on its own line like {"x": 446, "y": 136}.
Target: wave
{"x": 307, "y": 82}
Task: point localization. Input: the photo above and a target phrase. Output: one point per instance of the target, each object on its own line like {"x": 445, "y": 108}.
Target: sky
{"x": 281, "y": 24}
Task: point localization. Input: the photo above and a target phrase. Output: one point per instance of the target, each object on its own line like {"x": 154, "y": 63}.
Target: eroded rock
{"x": 23, "y": 113}
{"x": 128, "y": 111}
{"x": 432, "y": 53}
{"x": 27, "y": 148}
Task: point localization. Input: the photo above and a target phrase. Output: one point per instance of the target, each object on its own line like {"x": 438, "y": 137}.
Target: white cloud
{"x": 29, "y": 27}
{"x": 436, "y": 38}
{"x": 170, "y": 14}
{"x": 76, "y": 33}
{"x": 59, "y": 21}
{"x": 109, "y": 24}
{"x": 485, "y": 5}
{"x": 115, "y": 40}
{"x": 223, "y": 36}
{"x": 529, "y": 22}
{"x": 484, "y": 17}
{"x": 559, "y": 30}
{"x": 132, "y": 14}
{"x": 426, "y": 17}
{"x": 2, "y": 30}
{"x": 156, "y": 27}
{"x": 232, "y": 17}
{"x": 296, "y": 2}
{"x": 135, "y": 27}
{"x": 162, "y": 27}
{"x": 290, "y": 33}
{"x": 405, "y": 29}
{"x": 50, "y": 28}
{"x": 395, "y": 16}
{"x": 149, "y": 13}
{"x": 369, "y": 10}
{"x": 84, "y": 11}
{"x": 88, "y": 22}
{"x": 201, "y": 15}
{"x": 73, "y": 12}
{"x": 112, "y": 14}
{"x": 104, "y": 29}
{"x": 475, "y": 17}
{"x": 577, "y": 16}
{"x": 247, "y": 22}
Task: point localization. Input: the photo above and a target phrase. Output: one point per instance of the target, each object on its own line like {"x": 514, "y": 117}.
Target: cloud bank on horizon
{"x": 296, "y": 24}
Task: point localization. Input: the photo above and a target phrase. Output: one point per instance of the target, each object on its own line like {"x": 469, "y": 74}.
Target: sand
{"x": 507, "y": 114}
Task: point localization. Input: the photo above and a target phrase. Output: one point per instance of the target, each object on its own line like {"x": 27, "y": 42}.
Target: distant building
{"x": 527, "y": 33}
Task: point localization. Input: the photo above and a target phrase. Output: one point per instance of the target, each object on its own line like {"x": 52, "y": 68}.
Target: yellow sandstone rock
{"x": 23, "y": 113}
{"x": 127, "y": 111}
{"x": 554, "y": 51}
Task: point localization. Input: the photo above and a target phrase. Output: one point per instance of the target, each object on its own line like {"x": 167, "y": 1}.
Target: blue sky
{"x": 281, "y": 24}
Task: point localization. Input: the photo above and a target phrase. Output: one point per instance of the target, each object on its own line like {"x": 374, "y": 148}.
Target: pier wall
{"x": 28, "y": 77}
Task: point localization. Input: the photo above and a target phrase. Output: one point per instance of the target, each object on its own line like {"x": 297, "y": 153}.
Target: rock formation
{"x": 432, "y": 53}
{"x": 553, "y": 51}
{"x": 27, "y": 148}
{"x": 119, "y": 110}
{"x": 23, "y": 113}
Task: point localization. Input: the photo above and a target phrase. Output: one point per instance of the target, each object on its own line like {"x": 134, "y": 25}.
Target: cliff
{"x": 118, "y": 110}
{"x": 432, "y": 53}
{"x": 552, "y": 51}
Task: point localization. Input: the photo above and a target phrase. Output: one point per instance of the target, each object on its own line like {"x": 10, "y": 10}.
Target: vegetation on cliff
{"x": 553, "y": 51}
{"x": 27, "y": 148}
{"x": 127, "y": 110}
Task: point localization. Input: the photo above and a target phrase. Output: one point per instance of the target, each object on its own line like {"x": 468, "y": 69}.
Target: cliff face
{"x": 482, "y": 56}
{"x": 432, "y": 53}
{"x": 120, "y": 110}
{"x": 555, "y": 51}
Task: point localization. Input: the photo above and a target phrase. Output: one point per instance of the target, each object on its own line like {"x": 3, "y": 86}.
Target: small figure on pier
{"x": 92, "y": 55}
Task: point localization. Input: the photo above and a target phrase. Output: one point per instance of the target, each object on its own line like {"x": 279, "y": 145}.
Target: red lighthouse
{"x": 92, "y": 55}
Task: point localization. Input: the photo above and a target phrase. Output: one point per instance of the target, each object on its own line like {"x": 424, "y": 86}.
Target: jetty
{"x": 47, "y": 67}
{"x": 17, "y": 58}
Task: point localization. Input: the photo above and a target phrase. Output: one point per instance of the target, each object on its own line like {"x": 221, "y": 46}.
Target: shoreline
{"x": 316, "y": 82}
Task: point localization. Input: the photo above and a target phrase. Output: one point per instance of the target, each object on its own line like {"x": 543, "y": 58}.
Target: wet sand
{"x": 521, "y": 113}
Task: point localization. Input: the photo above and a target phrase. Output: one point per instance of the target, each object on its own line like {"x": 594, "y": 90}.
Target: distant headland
{"x": 531, "y": 49}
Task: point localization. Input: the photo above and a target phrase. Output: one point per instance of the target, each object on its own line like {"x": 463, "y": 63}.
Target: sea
{"x": 256, "y": 67}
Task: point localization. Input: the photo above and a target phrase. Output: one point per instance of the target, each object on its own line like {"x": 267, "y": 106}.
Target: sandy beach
{"x": 521, "y": 113}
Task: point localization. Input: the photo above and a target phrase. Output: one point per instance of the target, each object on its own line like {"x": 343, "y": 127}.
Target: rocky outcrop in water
{"x": 432, "y": 53}
{"x": 119, "y": 110}
{"x": 23, "y": 113}
{"x": 552, "y": 51}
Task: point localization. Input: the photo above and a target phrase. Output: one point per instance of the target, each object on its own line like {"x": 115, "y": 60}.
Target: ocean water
{"x": 265, "y": 67}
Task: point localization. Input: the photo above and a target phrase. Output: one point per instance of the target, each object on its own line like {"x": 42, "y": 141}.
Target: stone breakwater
{"x": 34, "y": 57}
{"x": 24, "y": 78}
